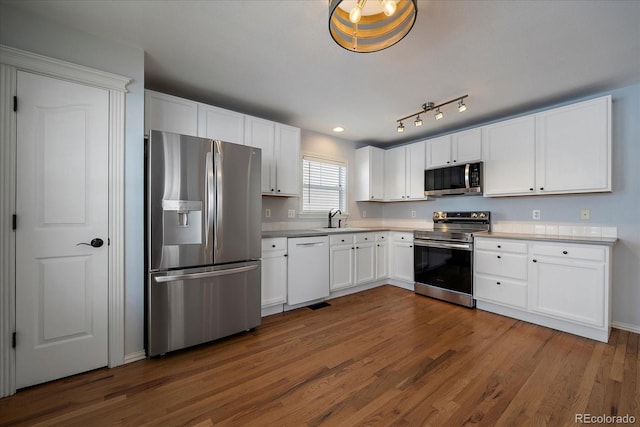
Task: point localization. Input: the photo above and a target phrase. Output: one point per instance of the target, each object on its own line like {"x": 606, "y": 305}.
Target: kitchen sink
{"x": 339, "y": 230}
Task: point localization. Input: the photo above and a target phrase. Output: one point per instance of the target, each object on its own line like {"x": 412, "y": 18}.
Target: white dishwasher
{"x": 307, "y": 269}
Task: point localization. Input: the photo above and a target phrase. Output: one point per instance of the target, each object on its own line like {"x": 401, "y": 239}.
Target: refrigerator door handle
{"x": 218, "y": 196}
{"x": 205, "y": 274}
{"x": 209, "y": 198}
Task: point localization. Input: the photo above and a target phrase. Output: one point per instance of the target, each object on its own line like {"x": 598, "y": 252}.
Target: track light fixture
{"x": 430, "y": 106}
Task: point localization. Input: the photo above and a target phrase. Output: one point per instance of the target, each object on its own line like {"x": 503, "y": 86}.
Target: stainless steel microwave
{"x": 454, "y": 180}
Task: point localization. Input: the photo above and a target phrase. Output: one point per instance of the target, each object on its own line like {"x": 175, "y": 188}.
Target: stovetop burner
{"x": 456, "y": 226}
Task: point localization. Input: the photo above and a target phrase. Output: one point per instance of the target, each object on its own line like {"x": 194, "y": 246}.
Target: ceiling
{"x": 276, "y": 59}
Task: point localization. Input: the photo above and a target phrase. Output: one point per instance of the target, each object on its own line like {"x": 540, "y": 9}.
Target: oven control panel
{"x": 451, "y": 217}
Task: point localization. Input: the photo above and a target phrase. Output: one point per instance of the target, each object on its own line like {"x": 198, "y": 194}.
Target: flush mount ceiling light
{"x": 361, "y": 26}
{"x": 429, "y": 106}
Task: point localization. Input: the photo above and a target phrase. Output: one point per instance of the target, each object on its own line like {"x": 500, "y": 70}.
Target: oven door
{"x": 444, "y": 270}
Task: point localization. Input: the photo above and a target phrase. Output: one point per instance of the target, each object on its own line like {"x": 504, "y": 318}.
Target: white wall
{"x": 34, "y": 34}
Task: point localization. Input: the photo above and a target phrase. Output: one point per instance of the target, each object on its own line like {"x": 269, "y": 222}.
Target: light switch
{"x": 585, "y": 214}
{"x": 292, "y": 213}
{"x": 536, "y": 214}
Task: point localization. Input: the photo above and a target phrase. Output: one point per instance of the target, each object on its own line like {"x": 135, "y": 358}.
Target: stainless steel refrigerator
{"x": 203, "y": 240}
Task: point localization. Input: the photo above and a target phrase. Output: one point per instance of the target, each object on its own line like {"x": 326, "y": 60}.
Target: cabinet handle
{"x": 448, "y": 162}
{"x": 273, "y": 189}
{"x": 499, "y": 257}
{"x": 286, "y": 255}
{"x": 278, "y": 190}
{"x": 531, "y": 189}
{"x": 498, "y": 283}
{"x": 541, "y": 188}
{"x": 499, "y": 246}
{"x": 371, "y": 197}
{"x": 342, "y": 240}
{"x": 352, "y": 248}
{"x": 273, "y": 246}
{"x": 378, "y": 245}
{"x": 565, "y": 252}
{"x": 454, "y": 161}
{"x": 410, "y": 246}
{"x": 366, "y": 238}
{"x": 402, "y": 238}
{"x": 535, "y": 260}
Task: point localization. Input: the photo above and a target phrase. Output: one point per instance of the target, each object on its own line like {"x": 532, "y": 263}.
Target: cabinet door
{"x": 260, "y": 133}
{"x": 382, "y": 260}
{"x": 402, "y": 261}
{"x": 466, "y": 146}
{"x": 415, "y": 158}
{"x": 170, "y": 113}
{"x": 217, "y": 123}
{"x": 509, "y": 157}
{"x": 438, "y": 152}
{"x": 578, "y": 137}
{"x": 287, "y": 160}
{"x": 571, "y": 290}
{"x": 365, "y": 266}
{"x": 376, "y": 173}
{"x": 341, "y": 267}
{"x": 274, "y": 278}
{"x": 394, "y": 174}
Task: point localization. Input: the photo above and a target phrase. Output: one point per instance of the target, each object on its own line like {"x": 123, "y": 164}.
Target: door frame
{"x": 12, "y": 60}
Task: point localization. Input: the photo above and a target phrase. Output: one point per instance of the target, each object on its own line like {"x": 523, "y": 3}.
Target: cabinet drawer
{"x": 274, "y": 244}
{"x": 501, "y": 264}
{"x": 365, "y": 237}
{"x": 501, "y": 245}
{"x": 501, "y": 291}
{"x": 591, "y": 253}
{"x": 341, "y": 239}
{"x": 403, "y": 237}
{"x": 382, "y": 237}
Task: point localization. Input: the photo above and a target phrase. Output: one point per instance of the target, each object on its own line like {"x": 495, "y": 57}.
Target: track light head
{"x": 400, "y": 127}
{"x": 418, "y": 121}
{"x": 462, "y": 106}
{"x": 439, "y": 114}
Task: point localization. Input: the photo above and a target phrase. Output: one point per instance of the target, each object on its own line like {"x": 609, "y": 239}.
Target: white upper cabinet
{"x": 563, "y": 150}
{"x": 218, "y": 123}
{"x": 280, "y": 146}
{"x": 287, "y": 157}
{"x": 576, "y": 136}
{"x": 460, "y": 147}
{"x": 509, "y": 157}
{"x": 404, "y": 172}
{"x": 170, "y": 114}
{"x": 369, "y": 174}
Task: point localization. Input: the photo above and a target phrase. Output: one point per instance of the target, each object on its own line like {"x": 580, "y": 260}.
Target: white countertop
{"x": 591, "y": 240}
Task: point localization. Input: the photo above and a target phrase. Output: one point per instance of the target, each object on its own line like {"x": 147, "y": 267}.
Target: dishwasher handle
{"x": 311, "y": 244}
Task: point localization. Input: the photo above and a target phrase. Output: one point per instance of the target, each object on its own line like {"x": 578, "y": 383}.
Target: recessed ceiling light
{"x": 338, "y": 129}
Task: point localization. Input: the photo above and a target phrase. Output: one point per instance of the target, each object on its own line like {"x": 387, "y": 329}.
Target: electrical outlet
{"x": 585, "y": 214}
{"x": 536, "y": 214}
{"x": 267, "y": 213}
{"x": 364, "y": 214}
{"x": 292, "y": 213}
{"x": 413, "y": 214}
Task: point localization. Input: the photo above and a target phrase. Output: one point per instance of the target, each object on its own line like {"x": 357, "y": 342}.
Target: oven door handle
{"x": 444, "y": 245}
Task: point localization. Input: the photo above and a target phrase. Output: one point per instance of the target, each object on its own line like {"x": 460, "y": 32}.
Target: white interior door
{"x": 62, "y": 200}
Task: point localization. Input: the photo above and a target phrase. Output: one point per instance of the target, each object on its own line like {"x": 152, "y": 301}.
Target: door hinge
{"x": 15, "y": 103}
{"x": 13, "y": 340}
{"x": 14, "y": 221}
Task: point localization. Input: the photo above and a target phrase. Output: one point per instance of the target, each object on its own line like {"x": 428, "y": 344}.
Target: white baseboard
{"x": 134, "y": 357}
{"x": 626, "y": 327}
{"x": 402, "y": 284}
{"x": 272, "y": 309}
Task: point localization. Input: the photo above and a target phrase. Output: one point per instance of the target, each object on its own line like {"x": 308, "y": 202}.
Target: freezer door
{"x": 238, "y": 202}
{"x": 179, "y": 201}
{"x": 190, "y": 307}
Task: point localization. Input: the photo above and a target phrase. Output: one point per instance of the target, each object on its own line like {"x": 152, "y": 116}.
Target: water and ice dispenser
{"x": 182, "y": 222}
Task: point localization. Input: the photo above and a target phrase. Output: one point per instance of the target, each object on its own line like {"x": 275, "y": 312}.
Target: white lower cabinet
{"x": 565, "y": 286}
{"x": 382, "y": 255}
{"x": 401, "y": 256}
{"x": 352, "y": 260}
{"x": 274, "y": 271}
{"x": 569, "y": 282}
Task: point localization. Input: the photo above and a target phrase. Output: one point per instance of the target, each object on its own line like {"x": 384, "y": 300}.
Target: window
{"x": 324, "y": 185}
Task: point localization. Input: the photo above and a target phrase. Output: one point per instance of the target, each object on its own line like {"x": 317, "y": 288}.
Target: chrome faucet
{"x": 332, "y": 214}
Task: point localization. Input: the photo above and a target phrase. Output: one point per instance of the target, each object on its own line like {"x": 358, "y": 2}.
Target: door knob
{"x": 96, "y": 243}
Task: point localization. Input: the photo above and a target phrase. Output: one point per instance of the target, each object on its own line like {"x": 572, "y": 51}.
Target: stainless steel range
{"x": 443, "y": 257}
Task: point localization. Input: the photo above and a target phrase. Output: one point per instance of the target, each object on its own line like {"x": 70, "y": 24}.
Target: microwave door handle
{"x": 467, "y": 184}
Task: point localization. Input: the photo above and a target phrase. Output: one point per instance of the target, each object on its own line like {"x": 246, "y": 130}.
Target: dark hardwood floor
{"x": 380, "y": 357}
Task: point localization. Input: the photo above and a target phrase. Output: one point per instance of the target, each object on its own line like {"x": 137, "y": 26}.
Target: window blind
{"x": 323, "y": 185}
